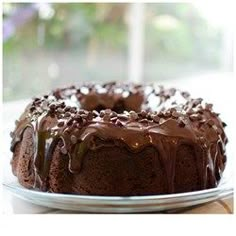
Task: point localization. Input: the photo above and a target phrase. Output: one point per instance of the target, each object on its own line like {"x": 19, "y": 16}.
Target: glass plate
{"x": 135, "y": 204}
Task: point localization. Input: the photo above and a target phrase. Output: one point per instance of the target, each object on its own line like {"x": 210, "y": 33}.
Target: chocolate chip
{"x": 60, "y": 110}
{"x": 126, "y": 113}
{"x": 162, "y": 120}
{"x": 106, "y": 117}
{"x": 32, "y": 108}
{"x": 52, "y": 106}
{"x": 122, "y": 116}
{"x": 73, "y": 139}
{"x": 45, "y": 96}
{"x": 90, "y": 115}
{"x": 208, "y": 106}
{"x": 224, "y": 124}
{"x": 210, "y": 122}
{"x": 113, "y": 119}
{"x": 39, "y": 109}
{"x": 63, "y": 105}
{"x": 167, "y": 96}
{"x": 216, "y": 114}
{"x": 107, "y": 111}
{"x": 59, "y": 116}
{"x": 73, "y": 110}
{"x": 144, "y": 121}
{"x": 161, "y": 114}
{"x": 67, "y": 114}
{"x": 176, "y": 114}
{"x": 44, "y": 105}
{"x": 84, "y": 121}
{"x": 70, "y": 122}
{"x": 200, "y": 111}
{"x": 109, "y": 84}
{"x": 181, "y": 122}
{"x": 118, "y": 123}
{"x": 156, "y": 118}
{"x": 11, "y": 134}
{"x": 143, "y": 113}
{"x": 60, "y": 124}
{"x": 196, "y": 102}
{"x": 185, "y": 94}
{"x": 195, "y": 117}
{"x": 84, "y": 116}
{"x": 102, "y": 113}
{"x": 77, "y": 117}
{"x": 95, "y": 113}
{"x": 37, "y": 102}
{"x": 78, "y": 125}
{"x": 113, "y": 114}
{"x": 57, "y": 93}
{"x": 149, "y": 115}
{"x": 190, "y": 111}
{"x": 167, "y": 113}
{"x": 199, "y": 107}
{"x": 172, "y": 91}
{"x": 63, "y": 150}
{"x": 203, "y": 121}
{"x": 67, "y": 108}
{"x": 76, "y": 130}
{"x": 133, "y": 115}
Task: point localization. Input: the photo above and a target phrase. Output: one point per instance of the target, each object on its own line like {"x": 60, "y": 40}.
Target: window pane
{"x": 181, "y": 41}
{"x": 61, "y": 44}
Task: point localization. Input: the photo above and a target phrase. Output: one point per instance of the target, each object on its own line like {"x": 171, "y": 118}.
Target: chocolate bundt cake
{"x": 118, "y": 140}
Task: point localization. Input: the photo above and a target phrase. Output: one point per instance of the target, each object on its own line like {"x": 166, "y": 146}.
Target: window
{"x": 52, "y": 45}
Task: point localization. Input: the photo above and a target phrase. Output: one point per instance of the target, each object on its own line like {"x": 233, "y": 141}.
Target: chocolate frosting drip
{"x": 134, "y": 116}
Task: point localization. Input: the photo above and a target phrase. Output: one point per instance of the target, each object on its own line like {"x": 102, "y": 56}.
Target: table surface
{"x": 214, "y": 88}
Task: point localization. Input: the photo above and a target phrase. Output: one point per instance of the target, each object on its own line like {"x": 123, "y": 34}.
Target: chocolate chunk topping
{"x": 118, "y": 123}
{"x": 102, "y": 113}
{"x": 195, "y": 117}
{"x": 113, "y": 114}
{"x": 63, "y": 150}
{"x": 60, "y": 124}
{"x": 185, "y": 94}
{"x": 67, "y": 114}
{"x": 52, "y": 107}
{"x": 156, "y": 118}
{"x": 224, "y": 124}
{"x": 181, "y": 122}
{"x": 208, "y": 106}
{"x": 210, "y": 122}
{"x": 73, "y": 139}
{"x": 133, "y": 115}
{"x": 196, "y": 102}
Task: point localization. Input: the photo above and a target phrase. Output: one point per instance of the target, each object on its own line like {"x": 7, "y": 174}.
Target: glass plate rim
{"x": 114, "y": 204}
{"x": 221, "y": 189}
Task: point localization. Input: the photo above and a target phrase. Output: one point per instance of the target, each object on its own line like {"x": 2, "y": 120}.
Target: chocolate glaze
{"x": 130, "y": 115}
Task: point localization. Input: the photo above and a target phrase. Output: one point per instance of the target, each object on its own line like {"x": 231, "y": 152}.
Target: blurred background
{"x": 52, "y": 45}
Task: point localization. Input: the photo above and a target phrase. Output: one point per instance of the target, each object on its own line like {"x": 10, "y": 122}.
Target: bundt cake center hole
{"x": 118, "y": 108}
